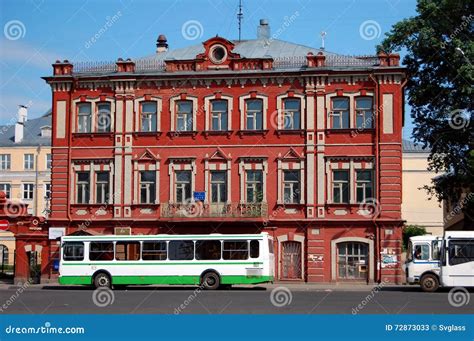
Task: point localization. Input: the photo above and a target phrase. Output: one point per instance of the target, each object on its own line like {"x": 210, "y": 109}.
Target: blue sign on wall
{"x": 199, "y": 196}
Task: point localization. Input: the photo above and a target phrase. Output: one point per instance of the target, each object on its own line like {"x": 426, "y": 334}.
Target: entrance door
{"x": 291, "y": 260}
{"x": 35, "y": 268}
{"x": 352, "y": 261}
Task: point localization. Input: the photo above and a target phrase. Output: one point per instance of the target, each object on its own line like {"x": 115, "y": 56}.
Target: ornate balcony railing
{"x": 200, "y": 210}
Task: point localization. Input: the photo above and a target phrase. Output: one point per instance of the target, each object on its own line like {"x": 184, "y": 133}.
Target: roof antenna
{"x": 240, "y": 16}
{"x": 323, "y": 36}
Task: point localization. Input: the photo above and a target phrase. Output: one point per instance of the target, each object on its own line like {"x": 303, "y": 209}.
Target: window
{"x": 183, "y": 186}
{"x": 4, "y": 254}
{"x": 422, "y": 252}
{"x": 28, "y": 191}
{"x": 460, "y": 251}
{"x": 73, "y": 251}
{"x": 270, "y": 246}
{"x": 291, "y": 114}
{"x": 254, "y": 186}
{"x": 219, "y": 115}
{"x": 102, "y": 187}
{"x": 82, "y": 187}
{"x": 103, "y": 118}
{"x": 254, "y": 111}
{"x": 364, "y": 113}
{"x": 208, "y": 249}
{"x": 235, "y": 250}
{"x": 127, "y": 251}
{"x": 435, "y": 249}
{"x": 181, "y": 250}
{"x": 5, "y": 161}
{"x": 184, "y": 116}
{"x": 340, "y": 113}
{"x": 291, "y": 187}
{"x": 28, "y": 161}
{"x": 218, "y": 187}
{"x": 148, "y": 116}
{"x": 84, "y": 118}
{"x": 101, "y": 251}
{"x": 340, "y": 186}
{"x": 6, "y": 188}
{"x": 254, "y": 249}
{"x": 47, "y": 191}
{"x": 48, "y": 161}
{"x": 154, "y": 251}
{"x": 147, "y": 187}
{"x": 364, "y": 185}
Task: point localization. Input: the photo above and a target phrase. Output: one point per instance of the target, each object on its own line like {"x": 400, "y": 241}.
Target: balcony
{"x": 201, "y": 210}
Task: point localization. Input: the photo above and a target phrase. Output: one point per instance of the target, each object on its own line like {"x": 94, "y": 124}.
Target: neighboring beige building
{"x": 417, "y": 209}
{"x": 25, "y": 161}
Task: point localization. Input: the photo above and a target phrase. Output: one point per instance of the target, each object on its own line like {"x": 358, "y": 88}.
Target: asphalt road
{"x": 258, "y": 300}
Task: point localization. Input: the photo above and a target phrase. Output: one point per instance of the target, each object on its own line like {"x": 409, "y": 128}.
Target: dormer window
{"x": 218, "y": 54}
{"x": 46, "y": 131}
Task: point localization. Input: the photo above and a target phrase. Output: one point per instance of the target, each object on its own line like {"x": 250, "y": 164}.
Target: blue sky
{"x": 37, "y": 32}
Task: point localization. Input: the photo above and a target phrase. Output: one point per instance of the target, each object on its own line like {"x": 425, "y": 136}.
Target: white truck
{"x": 457, "y": 259}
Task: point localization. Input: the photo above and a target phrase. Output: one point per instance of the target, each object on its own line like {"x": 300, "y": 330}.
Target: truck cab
{"x": 422, "y": 263}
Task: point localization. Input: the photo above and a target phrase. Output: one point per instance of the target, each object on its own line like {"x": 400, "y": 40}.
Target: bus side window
{"x": 208, "y": 249}
{"x": 422, "y": 252}
{"x": 460, "y": 251}
{"x": 73, "y": 251}
{"x": 254, "y": 249}
{"x": 435, "y": 248}
{"x": 127, "y": 251}
{"x": 101, "y": 251}
{"x": 235, "y": 250}
{"x": 181, "y": 250}
{"x": 154, "y": 250}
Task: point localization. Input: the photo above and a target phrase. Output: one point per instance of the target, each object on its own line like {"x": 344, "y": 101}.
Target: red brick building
{"x": 238, "y": 137}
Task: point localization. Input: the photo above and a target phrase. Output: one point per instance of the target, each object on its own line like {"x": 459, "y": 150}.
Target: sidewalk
{"x": 294, "y": 286}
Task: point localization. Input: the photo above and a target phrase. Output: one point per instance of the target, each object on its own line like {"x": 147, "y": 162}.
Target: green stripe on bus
{"x": 175, "y": 280}
{"x": 119, "y": 237}
{"x": 163, "y": 263}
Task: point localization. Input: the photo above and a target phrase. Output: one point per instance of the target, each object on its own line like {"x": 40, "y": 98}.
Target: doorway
{"x": 353, "y": 261}
{"x": 291, "y": 254}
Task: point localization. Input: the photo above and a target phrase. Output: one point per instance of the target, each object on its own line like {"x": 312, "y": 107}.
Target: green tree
{"x": 439, "y": 52}
{"x": 411, "y": 231}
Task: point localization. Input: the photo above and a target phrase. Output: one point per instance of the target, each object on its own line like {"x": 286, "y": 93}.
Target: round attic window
{"x": 218, "y": 54}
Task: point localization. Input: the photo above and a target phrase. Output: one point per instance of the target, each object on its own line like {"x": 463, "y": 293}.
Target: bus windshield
{"x": 410, "y": 252}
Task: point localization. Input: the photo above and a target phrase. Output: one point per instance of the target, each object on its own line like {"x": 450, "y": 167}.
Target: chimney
{"x": 263, "y": 30}
{"x": 161, "y": 44}
{"x": 20, "y": 124}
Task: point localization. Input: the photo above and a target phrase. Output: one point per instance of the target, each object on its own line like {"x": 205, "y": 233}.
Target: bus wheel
{"x": 102, "y": 280}
{"x": 429, "y": 283}
{"x": 210, "y": 280}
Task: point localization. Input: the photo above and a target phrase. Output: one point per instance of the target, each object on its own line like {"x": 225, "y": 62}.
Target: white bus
{"x": 457, "y": 259}
{"x": 212, "y": 260}
{"x": 422, "y": 263}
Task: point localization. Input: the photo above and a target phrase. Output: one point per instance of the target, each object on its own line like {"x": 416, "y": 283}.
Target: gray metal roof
{"x": 412, "y": 147}
{"x": 254, "y": 48}
{"x": 31, "y": 135}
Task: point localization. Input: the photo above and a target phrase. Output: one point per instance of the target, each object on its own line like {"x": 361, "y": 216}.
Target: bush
{"x": 410, "y": 231}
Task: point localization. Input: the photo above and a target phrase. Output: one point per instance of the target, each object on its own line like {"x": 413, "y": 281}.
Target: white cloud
{"x": 26, "y": 55}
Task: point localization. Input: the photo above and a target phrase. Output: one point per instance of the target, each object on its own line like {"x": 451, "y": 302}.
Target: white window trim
{"x": 280, "y": 110}
{"x": 159, "y": 107}
{"x": 207, "y": 110}
{"x": 94, "y": 113}
{"x": 245, "y": 166}
{"x": 139, "y": 166}
{"x": 209, "y": 166}
{"x": 290, "y": 165}
{"x": 46, "y": 161}
{"x": 173, "y": 101}
{"x": 24, "y": 162}
{"x": 243, "y": 113}
{"x": 351, "y": 96}
{"x": 23, "y": 191}
{"x": 172, "y": 168}
{"x": 45, "y": 185}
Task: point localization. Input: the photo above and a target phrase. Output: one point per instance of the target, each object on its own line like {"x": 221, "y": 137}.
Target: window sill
{"x": 253, "y": 132}
{"x": 178, "y": 133}
{"x": 351, "y": 131}
{"x": 218, "y": 132}
{"x": 157, "y": 134}
{"x": 91, "y": 135}
{"x": 290, "y": 132}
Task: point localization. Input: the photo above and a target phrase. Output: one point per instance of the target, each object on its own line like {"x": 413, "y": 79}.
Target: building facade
{"x": 254, "y": 136}
{"x": 418, "y": 208}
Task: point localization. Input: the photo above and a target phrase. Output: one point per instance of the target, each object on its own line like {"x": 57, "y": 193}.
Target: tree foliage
{"x": 439, "y": 55}
{"x": 411, "y": 231}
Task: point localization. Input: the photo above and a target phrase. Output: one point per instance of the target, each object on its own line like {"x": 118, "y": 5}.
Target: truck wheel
{"x": 429, "y": 283}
